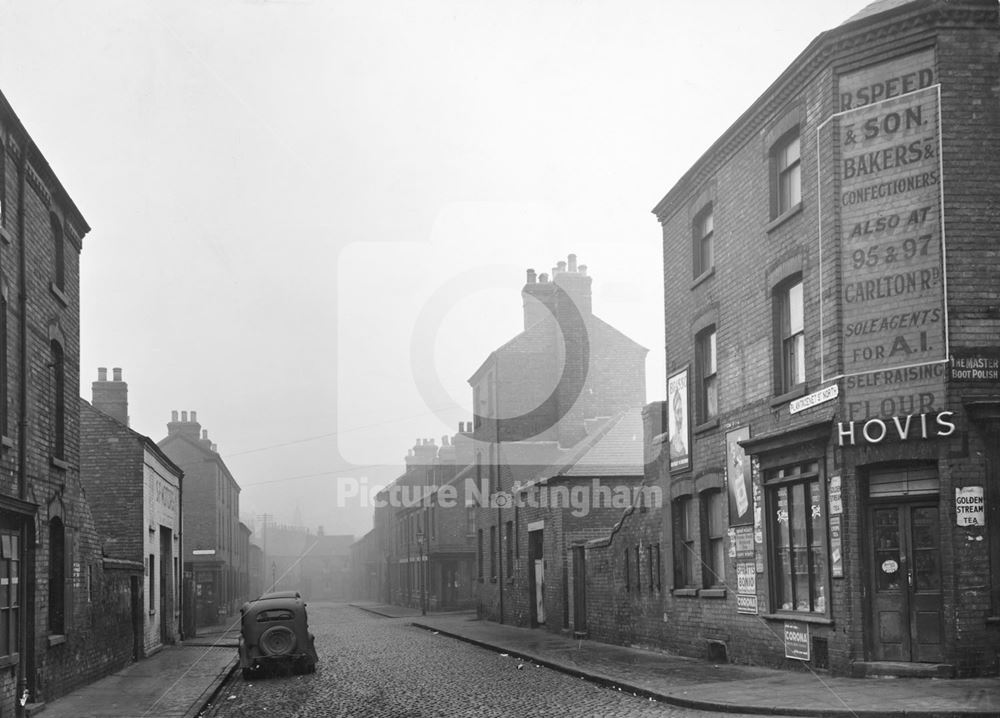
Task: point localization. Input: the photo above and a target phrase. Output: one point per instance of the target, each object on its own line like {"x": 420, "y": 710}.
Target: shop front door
{"x": 906, "y": 607}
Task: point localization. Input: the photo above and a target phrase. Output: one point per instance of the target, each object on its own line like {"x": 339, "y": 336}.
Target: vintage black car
{"x": 274, "y": 633}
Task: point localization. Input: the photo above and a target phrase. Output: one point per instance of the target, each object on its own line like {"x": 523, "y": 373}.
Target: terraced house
{"x": 831, "y": 448}
{"x": 65, "y": 612}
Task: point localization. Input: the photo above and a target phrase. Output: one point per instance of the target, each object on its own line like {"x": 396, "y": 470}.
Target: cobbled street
{"x": 375, "y": 666}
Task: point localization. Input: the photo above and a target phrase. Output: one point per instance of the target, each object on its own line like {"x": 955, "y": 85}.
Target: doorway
{"x": 579, "y": 590}
{"x": 536, "y": 577}
{"x": 904, "y": 554}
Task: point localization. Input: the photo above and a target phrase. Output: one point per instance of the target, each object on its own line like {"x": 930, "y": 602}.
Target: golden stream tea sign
{"x": 887, "y": 160}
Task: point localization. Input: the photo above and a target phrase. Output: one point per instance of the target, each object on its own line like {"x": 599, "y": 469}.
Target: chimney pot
{"x": 560, "y": 266}
{"x": 102, "y": 373}
{"x": 184, "y": 416}
{"x": 583, "y": 269}
{"x": 531, "y": 276}
{"x": 572, "y": 262}
{"x": 194, "y": 416}
{"x": 117, "y": 371}
{"x": 215, "y": 447}
{"x": 543, "y": 278}
{"x": 173, "y": 415}
{"x": 204, "y": 434}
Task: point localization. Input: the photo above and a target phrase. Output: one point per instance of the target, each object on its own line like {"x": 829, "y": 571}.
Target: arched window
{"x": 58, "y": 368}
{"x": 57, "y": 576}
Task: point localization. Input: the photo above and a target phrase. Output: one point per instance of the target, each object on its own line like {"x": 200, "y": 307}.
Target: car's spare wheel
{"x": 277, "y": 641}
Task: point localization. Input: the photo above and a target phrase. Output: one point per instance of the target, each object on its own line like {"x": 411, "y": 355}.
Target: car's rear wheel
{"x": 277, "y": 641}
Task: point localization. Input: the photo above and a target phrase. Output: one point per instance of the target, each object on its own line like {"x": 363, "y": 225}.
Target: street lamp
{"x": 423, "y": 575}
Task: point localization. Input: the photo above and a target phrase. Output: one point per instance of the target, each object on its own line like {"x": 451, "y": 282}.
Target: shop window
{"x": 790, "y": 369}
{"x": 684, "y": 537}
{"x": 708, "y": 385}
{"x": 787, "y": 177}
{"x": 10, "y": 584}
{"x": 713, "y": 548}
{"x": 704, "y": 250}
{"x": 796, "y": 535}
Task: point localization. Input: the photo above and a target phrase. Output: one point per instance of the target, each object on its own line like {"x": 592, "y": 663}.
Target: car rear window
{"x": 275, "y": 614}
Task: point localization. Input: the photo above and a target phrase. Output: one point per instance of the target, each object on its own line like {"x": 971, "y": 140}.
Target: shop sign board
{"x": 972, "y": 365}
{"x": 970, "y": 506}
{"x": 836, "y": 547}
{"x": 836, "y": 502}
{"x": 797, "y": 640}
{"x": 746, "y": 604}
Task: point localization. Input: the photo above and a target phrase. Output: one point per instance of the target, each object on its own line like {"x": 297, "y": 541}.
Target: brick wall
{"x": 753, "y": 253}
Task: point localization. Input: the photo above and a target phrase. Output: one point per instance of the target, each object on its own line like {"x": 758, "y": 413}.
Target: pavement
{"x": 718, "y": 688}
{"x": 175, "y": 682}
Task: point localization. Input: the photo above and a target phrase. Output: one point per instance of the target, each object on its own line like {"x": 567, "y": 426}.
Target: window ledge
{"x": 804, "y": 617}
{"x": 59, "y": 294}
{"x": 10, "y": 660}
{"x": 685, "y": 592}
{"x": 6, "y": 442}
{"x": 993, "y": 620}
{"x": 795, "y": 393}
{"x": 781, "y": 219}
{"x": 5, "y": 235}
{"x": 60, "y": 464}
{"x": 56, "y": 639}
{"x": 707, "y": 426}
{"x": 712, "y": 593}
{"x": 710, "y": 272}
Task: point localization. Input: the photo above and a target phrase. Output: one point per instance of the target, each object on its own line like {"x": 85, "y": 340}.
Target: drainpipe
{"x": 496, "y": 423}
{"x": 25, "y": 667}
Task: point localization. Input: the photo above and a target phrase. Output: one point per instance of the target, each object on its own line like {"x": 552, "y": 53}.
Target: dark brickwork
{"x": 40, "y": 484}
{"x": 956, "y": 44}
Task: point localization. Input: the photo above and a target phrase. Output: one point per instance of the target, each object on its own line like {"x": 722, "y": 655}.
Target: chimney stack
{"x": 189, "y": 428}
{"x": 110, "y": 397}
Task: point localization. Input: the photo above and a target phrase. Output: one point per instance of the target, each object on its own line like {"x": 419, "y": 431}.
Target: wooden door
{"x": 905, "y": 587}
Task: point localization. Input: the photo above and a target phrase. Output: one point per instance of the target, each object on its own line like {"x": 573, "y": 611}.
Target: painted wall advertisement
{"x": 678, "y": 421}
{"x": 886, "y": 160}
{"x": 738, "y": 478}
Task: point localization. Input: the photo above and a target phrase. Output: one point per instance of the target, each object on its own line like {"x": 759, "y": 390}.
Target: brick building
{"x": 832, "y": 323}
{"x": 215, "y": 552}
{"x": 538, "y": 400}
{"x": 421, "y": 552}
{"x": 64, "y": 609}
{"x": 135, "y": 494}
{"x": 541, "y": 556}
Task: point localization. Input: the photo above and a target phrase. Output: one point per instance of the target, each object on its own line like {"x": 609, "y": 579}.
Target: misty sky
{"x": 311, "y": 220}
